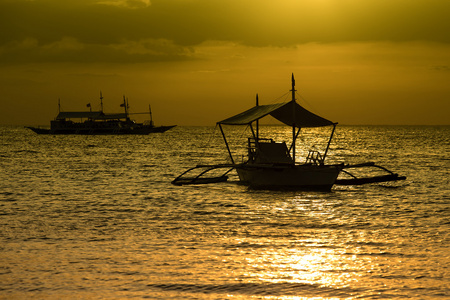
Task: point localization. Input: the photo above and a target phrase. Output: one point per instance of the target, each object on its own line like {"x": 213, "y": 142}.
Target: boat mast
{"x": 293, "y": 118}
{"x": 101, "y": 101}
{"x": 257, "y": 121}
{"x": 125, "y": 106}
{"x": 151, "y": 117}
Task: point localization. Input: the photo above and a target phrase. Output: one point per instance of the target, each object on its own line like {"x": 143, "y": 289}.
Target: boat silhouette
{"x": 99, "y": 123}
{"x": 273, "y": 165}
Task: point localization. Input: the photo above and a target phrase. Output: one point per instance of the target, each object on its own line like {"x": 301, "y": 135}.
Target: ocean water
{"x": 96, "y": 217}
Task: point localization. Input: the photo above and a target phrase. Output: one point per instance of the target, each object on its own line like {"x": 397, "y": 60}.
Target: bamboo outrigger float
{"x": 271, "y": 164}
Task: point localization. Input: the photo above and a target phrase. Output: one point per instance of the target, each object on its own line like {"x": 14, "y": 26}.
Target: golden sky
{"x": 200, "y": 61}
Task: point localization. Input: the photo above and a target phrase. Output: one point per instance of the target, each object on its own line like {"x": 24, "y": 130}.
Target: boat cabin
{"x": 267, "y": 151}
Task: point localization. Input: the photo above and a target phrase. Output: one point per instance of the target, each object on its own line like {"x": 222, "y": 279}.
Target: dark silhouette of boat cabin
{"x": 100, "y": 123}
{"x": 271, "y": 164}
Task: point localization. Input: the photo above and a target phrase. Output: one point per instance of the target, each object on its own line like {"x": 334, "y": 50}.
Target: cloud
{"x": 152, "y": 47}
{"x": 441, "y": 68}
{"x": 353, "y": 83}
{"x": 133, "y": 4}
{"x": 65, "y": 44}
{"x": 69, "y": 49}
{"x": 80, "y": 30}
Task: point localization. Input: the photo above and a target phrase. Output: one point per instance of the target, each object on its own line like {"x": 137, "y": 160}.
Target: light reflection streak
{"x": 324, "y": 267}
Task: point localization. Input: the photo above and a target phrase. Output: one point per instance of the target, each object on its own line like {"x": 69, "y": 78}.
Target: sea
{"x": 96, "y": 217}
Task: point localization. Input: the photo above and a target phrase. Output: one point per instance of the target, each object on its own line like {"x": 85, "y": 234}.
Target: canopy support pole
{"x": 293, "y": 119}
{"x": 253, "y": 132}
{"x": 257, "y": 121}
{"x": 296, "y": 137}
{"x": 293, "y": 143}
{"x": 226, "y": 143}
{"x": 329, "y": 142}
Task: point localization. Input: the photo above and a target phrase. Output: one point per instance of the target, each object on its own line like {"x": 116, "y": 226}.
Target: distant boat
{"x": 271, "y": 164}
{"x": 99, "y": 123}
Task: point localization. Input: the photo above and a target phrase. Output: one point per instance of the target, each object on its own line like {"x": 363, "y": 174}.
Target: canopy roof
{"x": 113, "y": 116}
{"x": 283, "y": 112}
{"x": 96, "y": 115}
{"x": 78, "y": 115}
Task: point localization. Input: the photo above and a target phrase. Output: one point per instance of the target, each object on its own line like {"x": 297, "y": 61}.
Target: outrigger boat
{"x": 271, "y": 164}
{"x": 97, "y": 122}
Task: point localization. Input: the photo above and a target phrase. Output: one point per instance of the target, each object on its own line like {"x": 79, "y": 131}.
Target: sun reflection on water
{"x": 321, "y": 266}
{"x": 313, "y": 248}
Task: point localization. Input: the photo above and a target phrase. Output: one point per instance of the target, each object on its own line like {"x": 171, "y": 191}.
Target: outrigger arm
{"x": 354, "y": 180}
{"x": 198, "y": 179}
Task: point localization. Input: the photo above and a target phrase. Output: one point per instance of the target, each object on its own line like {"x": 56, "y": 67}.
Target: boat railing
{"x": 314, "y": 157}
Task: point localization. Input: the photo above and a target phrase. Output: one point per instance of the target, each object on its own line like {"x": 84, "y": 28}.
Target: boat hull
{"x": 102, "y": 131}
{"x": 298, "y": 177}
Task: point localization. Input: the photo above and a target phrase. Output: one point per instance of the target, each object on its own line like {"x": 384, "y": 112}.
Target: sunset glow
{"x": 197, "y": 61}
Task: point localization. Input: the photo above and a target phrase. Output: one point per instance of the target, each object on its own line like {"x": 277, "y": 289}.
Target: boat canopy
{"x": 283, "y": 112}
{"x": 96, "y": 115}
{"x": 112, "y": 116}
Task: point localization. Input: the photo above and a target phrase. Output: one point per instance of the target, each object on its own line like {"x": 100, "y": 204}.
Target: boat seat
{"x": 273, "y": 153}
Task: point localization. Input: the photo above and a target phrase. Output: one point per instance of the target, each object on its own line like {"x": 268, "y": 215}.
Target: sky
{"x": 196, "y": 62}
